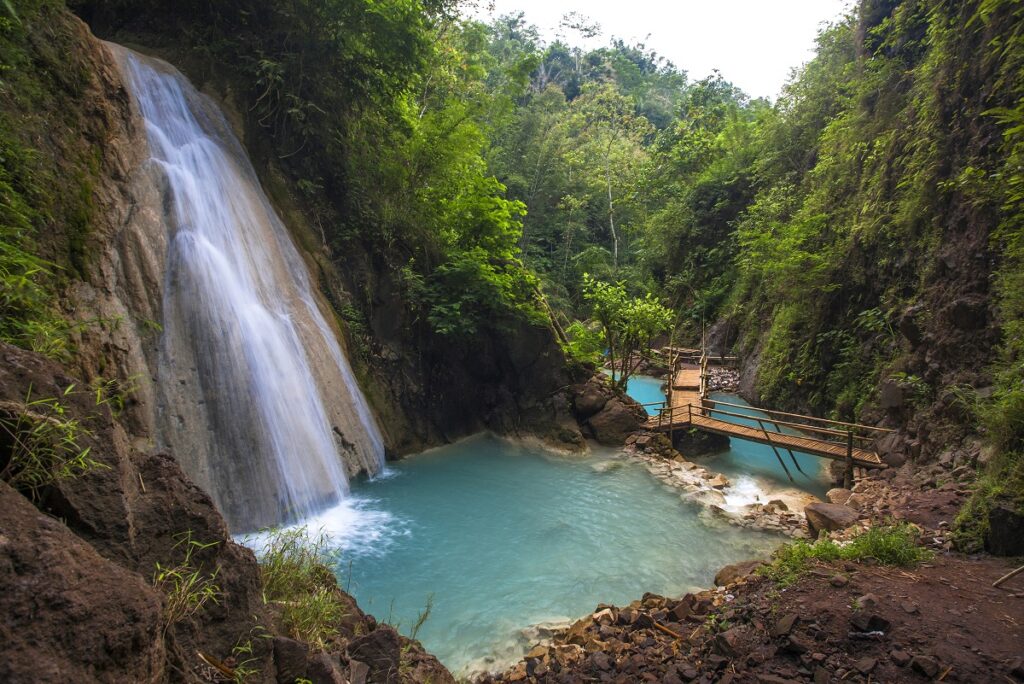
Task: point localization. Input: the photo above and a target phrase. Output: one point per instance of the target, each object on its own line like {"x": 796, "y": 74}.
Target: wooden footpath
{"x": 688, "y": 406}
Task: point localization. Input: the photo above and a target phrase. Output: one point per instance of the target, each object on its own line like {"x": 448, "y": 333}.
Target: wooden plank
{"x": 831, "y": 450}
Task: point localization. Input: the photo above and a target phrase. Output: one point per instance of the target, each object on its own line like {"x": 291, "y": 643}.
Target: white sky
{"x": 754, "y": 43}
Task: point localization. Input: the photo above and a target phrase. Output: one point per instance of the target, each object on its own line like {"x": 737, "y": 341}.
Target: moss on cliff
{"x": 47, "y": 170}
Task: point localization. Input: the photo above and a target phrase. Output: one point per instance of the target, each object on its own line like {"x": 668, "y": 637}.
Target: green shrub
{"x": 43, "y": 444}
{"x": 295, "y": 577}
{"x": 888, "y": 545}
{"x": 186, "y": 586}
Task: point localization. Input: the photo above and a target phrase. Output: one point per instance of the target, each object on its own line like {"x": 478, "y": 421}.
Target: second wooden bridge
{"x": 689, "y": 406}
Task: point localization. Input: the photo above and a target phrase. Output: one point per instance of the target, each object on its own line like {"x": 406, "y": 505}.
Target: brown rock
{"x": 725, "y": 642}
{"x": 324, "y": 668}
{"x": 681, "y": 610}
{"x": 867, "y": 602}
{"x": 737, "y": 571}
{"x": 870, "y": 622}
{"x": 590, "y": 399}
{"x": 838, "y": 495}
{"x": 380, "y": 650}
{"x": 289, "y": 659}
{"x": 865, "y": 665}
{"x": 829, "y": 517}
{"x": 70, "y": 615}
{"x": 929, "y": 667}
{"x": 719, "y": 482}
{"x": 577, "y": 633}
{"x": 614, "y": 423}
{"x": 358, "y": 672}
{"x": 1017, "y": 668}
{"x": 785, "y": 624}
{"x": 600, "y": 661}
{"x": 538, "y": 651}
{"x": 899, "y": 657}
{"x": 1005, "y": 536}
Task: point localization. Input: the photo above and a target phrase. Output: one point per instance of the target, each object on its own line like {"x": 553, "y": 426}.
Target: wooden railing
{"x": 861, "y": 433}
{"x": 825, "y": 432}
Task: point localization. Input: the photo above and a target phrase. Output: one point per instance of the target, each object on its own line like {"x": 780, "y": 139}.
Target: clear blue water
{"x": 646, "y": 390}
{"x": 504, "y": 537}
{"x": 751, "y": 465}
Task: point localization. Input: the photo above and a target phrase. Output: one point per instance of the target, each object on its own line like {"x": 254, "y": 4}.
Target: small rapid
{"x": 258, "y": 400}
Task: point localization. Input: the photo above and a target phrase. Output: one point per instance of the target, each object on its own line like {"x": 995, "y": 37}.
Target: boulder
{"x": 737, "y": 571}
{"x": 969, "y": 313}
{"x": 909, "y": 326}
{"x": 614, "y": 423}
{"x": 890, "y": 395}
{"x": 290, "y": 659}
{"x": 838, "y": 495}
{"x": 784, "y": 625}
{"x": 1006, "y": 532}
{"x": 590, "y": 399}
{"x": 324, "y": 668}
{"x": 925, "y": 665}
{"x": 70, "y": 615}
{"x": 829, "y": 517}
{"x": 893, "y": 449}
{"x": 380, "y": 650}
{"x": 719, "y": 482}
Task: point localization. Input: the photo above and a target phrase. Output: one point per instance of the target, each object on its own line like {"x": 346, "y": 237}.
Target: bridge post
{"x": 848, "y": 474}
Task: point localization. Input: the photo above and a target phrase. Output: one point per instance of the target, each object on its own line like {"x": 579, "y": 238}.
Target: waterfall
{"x": 258, "y": 401}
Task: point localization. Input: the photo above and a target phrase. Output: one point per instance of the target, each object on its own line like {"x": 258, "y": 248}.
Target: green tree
{"x": 628, "y": 324}
{"x": 611, "y": 147}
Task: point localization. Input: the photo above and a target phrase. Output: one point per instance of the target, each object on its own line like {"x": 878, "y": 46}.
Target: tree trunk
{"x": 611, "y": 212}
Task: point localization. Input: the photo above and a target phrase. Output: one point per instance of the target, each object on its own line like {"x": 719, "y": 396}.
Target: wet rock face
{"x": 69, "y": 614}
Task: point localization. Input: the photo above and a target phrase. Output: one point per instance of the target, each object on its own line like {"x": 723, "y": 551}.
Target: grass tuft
{"x": 40, "y": 444}
{"x": 186, "y": 586}
{"x": 297, "y": 579}
{"x": 887, "y": 545}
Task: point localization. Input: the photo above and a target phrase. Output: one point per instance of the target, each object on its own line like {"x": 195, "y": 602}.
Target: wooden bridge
{"x": 689, "y": 406}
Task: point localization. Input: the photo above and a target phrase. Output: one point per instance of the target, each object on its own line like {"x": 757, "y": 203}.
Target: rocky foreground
{"x": 852, "y": 622}
{"x": 839, "y": 622}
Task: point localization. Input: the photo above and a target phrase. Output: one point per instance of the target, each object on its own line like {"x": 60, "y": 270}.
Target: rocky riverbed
{"x": 781, "y": 512}
{"x": 840, "y": 622}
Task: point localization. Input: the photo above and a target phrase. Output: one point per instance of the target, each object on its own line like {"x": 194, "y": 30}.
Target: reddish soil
{"x": 841, "y": 623}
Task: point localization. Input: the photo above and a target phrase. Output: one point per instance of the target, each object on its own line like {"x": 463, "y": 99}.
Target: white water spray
{"x": 258, "y": 400}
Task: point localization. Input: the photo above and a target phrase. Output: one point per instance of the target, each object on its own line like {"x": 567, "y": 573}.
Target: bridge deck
{"x": 686, "y": 387}
{"x": 696, "y": 418}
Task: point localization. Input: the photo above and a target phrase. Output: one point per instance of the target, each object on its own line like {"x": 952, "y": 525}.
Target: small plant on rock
{"x": 295, "y": 577}
{"x": 41, "y": 444}
{"x": 186, "y": 586}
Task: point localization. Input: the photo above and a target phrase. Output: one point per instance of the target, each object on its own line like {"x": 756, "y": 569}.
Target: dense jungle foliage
{"x": 863, "y": 231}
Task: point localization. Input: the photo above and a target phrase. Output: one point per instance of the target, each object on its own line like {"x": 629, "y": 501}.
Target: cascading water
{"x": 258, "y": 400}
